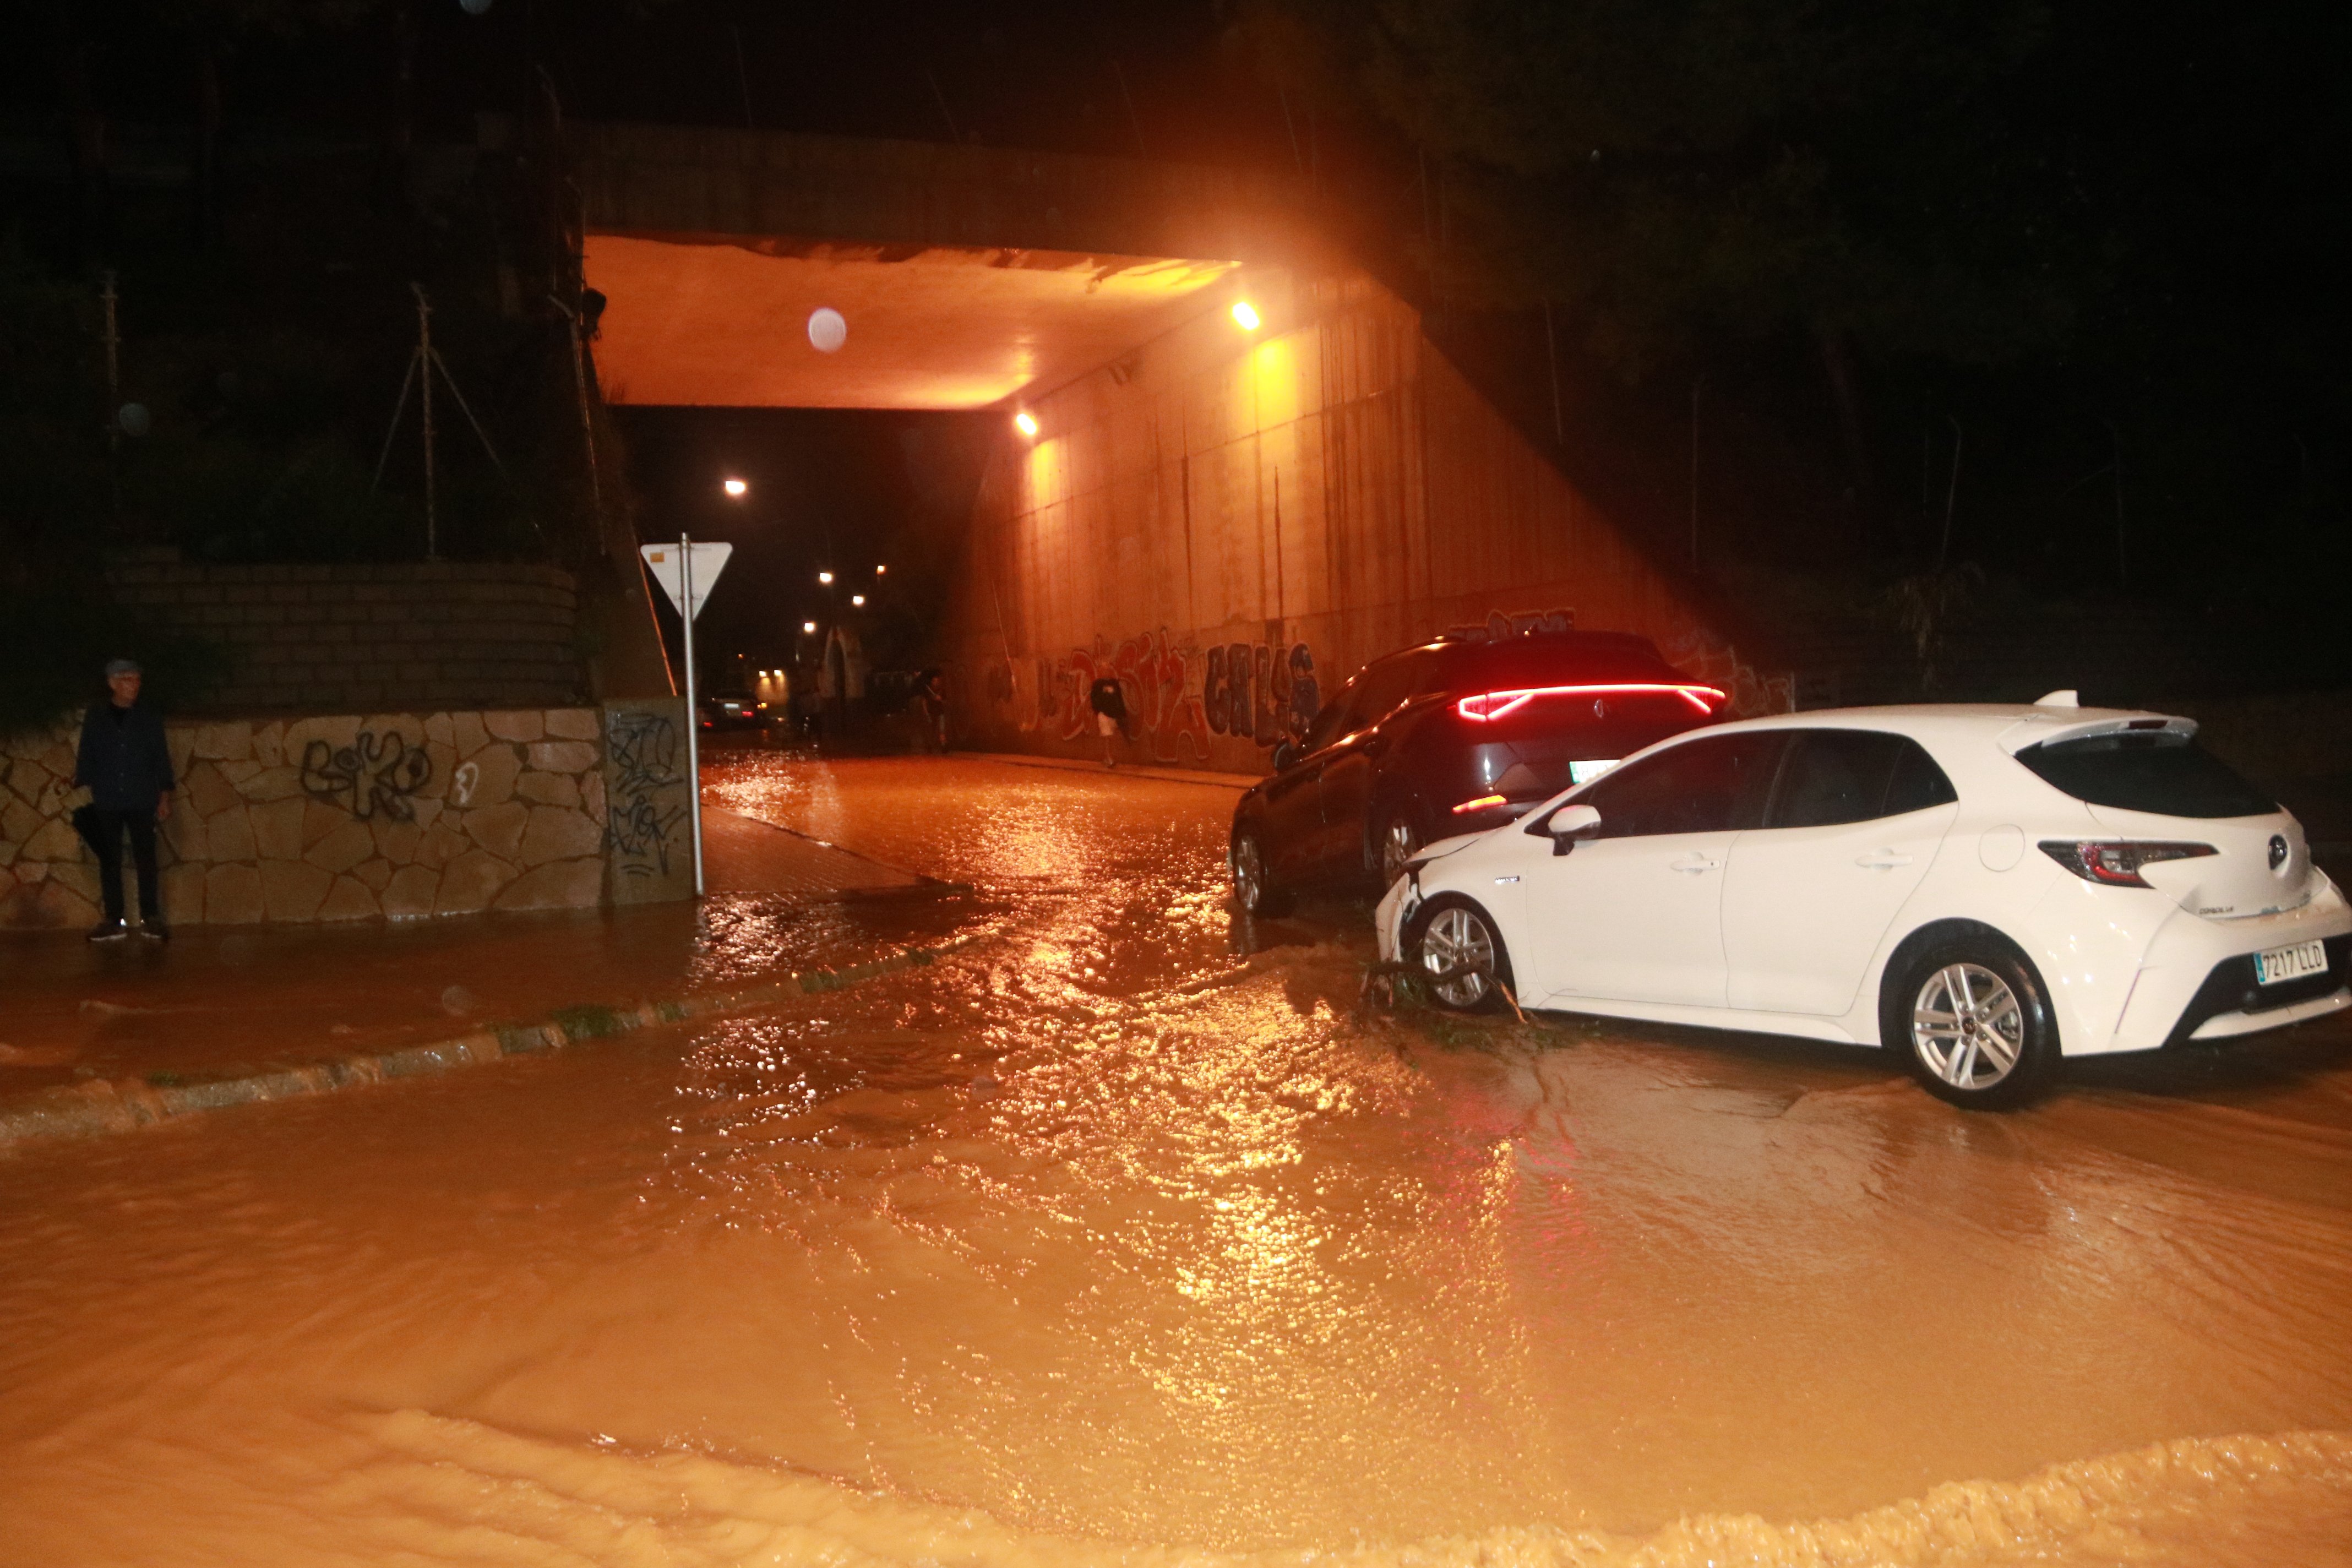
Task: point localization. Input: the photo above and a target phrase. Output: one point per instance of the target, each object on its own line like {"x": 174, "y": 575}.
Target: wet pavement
{"x": 1124, "y": 1236}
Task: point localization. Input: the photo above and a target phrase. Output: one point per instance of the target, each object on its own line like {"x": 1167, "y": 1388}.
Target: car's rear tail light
{"x": 1481, "y": 804}
{"x": 1488, "y": 706}
{"x": 2116, "y": 862}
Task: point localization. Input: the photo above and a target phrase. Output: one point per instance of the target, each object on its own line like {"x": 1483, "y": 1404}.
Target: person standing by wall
{"x": 1108, "y": 700}
{"x": 126, "y": 765}
{"x": 931, "y": 701}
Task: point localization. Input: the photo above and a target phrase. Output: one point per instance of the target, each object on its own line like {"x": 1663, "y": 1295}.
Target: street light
{"x": 858, "y": 600}
{"x": 825, "y": 578}
{"x": 735, "y": 488}
{"x": 879, "y": 571}
{"x": 1245, "y": 314}
{"x": 809, "y": 627}
{"x": 1026, "y": 423}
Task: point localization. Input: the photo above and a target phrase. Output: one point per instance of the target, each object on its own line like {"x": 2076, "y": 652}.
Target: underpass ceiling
{"x": 722, "y": 320}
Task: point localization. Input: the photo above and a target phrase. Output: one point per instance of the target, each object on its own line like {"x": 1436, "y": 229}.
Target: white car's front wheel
{"x": 1973, "y": 1024}
{"x": 1457, "y": 943}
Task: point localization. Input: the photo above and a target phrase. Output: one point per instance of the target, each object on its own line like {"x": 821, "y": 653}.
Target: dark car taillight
{"x": 2117, "y": 862}
{"x": 1487, "y": 706}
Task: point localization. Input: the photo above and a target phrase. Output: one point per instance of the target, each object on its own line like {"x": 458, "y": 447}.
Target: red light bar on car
{"x": 1481, "y": 804}
{"x": 2116, "y": 863}
{"x": 1488, "y": 706}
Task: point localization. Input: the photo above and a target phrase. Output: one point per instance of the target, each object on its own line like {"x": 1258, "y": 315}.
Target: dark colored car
{"x": 732, "y": 710}
{"x": 1451, "y": 737}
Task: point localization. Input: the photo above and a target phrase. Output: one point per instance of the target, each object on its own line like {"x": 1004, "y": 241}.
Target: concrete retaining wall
{"x": 1232, "y": 524}
{"x": 362, "y": 638}
{"x": 388, "y": 815}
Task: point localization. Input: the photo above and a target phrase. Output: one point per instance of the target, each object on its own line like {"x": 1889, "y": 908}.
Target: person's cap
{"x": 115, "y": 667}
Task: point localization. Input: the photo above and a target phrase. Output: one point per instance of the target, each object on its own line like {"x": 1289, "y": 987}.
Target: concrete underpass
{"x": 1230, "y": 518}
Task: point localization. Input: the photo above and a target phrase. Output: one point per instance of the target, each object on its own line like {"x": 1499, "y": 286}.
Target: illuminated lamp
{"x": 735, "y": 488}
{"x": 1245, "y": 314}
{"x": 825, "y": 578}
{"x": 809, "y": 626}
{"x": 1026, "y": 423}
{"x": 857, "y": 599}
{"x": 1488, "y": 706}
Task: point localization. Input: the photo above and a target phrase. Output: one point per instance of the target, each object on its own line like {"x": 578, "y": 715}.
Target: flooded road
{"x": 1122, "y": 1238}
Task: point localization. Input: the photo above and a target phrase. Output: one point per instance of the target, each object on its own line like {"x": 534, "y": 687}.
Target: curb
{"x": 124, "y": 1105}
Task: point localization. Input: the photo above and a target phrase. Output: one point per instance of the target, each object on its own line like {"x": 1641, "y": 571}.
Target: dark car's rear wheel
{"x": 1397, "y": 840}
{"x": 1973, "y": 1024}
{"x": 1255, "y": 889}
{"x": 1453, "y": 937}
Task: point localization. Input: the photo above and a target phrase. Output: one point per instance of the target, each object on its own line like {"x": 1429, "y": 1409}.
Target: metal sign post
{"x": 678, "y": 580}
{"x": 693, "y": 713}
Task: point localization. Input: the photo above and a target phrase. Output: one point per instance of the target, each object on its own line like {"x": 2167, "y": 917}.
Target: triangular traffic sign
{"x": 663, "y": 562}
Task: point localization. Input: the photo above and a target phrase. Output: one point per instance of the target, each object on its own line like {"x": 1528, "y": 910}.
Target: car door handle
{"x": 1881, "y": 859}
{"x": 1693, "y": 862}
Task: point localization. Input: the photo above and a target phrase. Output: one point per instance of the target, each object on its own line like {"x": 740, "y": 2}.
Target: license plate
{"x": 2290, "y": 963}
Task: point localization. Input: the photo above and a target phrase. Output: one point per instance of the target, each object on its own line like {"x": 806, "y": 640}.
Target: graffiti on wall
{"x": 1163, "y": 710}
{"x": 1178, "y": 697}
{"x": 374, "y": 776}
{"x": 645, "y": 797}
{"x": 1260, "y": 693}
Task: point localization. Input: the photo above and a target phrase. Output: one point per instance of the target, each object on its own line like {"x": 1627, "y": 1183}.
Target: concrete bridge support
{"x": 1233, "y": 522}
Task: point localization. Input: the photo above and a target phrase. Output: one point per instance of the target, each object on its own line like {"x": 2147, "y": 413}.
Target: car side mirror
{"x": 1571, "y": 825}
{"x": 1284, "y": 755}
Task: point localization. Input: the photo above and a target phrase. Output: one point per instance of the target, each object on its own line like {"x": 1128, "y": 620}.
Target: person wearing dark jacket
{"x": 1109, "y": 702}
{"x": 126, "y": 765}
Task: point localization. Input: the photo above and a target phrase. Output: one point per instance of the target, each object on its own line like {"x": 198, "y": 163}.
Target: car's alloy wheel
{"x": 1253, "y": 889}
{"x": 1400, "y": 842}
{"x": 1967, "y": 1027}
{"x": 1975, "y": 1025}
{"x": 1454, "y": 934}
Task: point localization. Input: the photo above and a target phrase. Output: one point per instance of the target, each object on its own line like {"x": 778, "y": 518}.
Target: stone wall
{"x": 362, "y": 638}
{"x": 387, "y": 815}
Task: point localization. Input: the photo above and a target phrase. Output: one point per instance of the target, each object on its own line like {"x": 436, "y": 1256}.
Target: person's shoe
{"x": 154, "y": 929}
{"x": 108, "y": 930}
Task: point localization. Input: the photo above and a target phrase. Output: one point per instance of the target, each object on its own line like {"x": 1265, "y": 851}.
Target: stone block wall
{"x": 362, "y": 638}
{"x": 387, "y": 815}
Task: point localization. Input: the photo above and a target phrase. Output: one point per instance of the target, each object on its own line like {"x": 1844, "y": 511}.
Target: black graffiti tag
{"x": 645, "y": 763}
{"x": 374, "y": 774}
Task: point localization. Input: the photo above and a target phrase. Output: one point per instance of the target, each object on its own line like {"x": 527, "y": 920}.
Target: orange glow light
{"x": 1026, "y": 423}
{"x": 1246, "y": 314}
{"x": 735, "y": 488}
{"x": 809, "y": 626}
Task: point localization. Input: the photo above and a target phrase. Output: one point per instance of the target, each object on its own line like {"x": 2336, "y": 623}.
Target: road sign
{"x": 665, "y": 561}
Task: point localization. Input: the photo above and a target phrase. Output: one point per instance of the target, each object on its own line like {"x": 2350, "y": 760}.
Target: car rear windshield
{"x": 2163, "y": 772}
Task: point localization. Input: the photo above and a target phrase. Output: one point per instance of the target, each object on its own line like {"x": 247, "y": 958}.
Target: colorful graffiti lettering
{"x": 1177, "y": 697}
{"x": 1260, "y": 693}
{"x": 1162, "y": 706}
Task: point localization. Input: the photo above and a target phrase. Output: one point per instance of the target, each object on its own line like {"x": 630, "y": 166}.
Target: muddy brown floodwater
{"x": 1122, "y": 1239}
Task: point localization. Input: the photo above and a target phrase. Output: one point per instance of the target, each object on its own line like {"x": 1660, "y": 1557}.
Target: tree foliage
{"x": 1676, "y": 172}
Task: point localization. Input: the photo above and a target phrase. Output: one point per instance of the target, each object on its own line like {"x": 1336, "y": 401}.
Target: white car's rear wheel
{"x": 1974, "y": 1025}
{"x": 1455, "y": 938}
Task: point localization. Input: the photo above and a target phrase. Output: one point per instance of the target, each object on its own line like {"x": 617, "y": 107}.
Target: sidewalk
{"x": 217, "y": 998}
{"x": 1124, "y": 770}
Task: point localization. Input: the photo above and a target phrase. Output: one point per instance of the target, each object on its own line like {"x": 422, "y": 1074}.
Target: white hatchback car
{"x": 1987, "y": 888}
